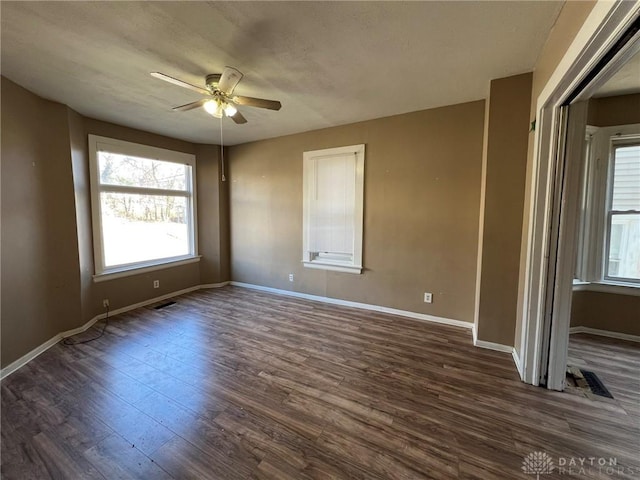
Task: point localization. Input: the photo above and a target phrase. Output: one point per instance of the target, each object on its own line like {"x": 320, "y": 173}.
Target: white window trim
{"x": 308, "y": 259}
{"x": 607, "y": 287}
{"x": 593, "y": 257}
{"x": 98, "y": 143}
{"x": 615, "y": 142}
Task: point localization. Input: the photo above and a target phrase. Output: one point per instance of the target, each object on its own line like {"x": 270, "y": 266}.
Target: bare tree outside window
{"x": 144, "y": 208}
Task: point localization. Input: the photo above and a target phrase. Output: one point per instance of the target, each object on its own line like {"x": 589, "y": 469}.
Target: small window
{"x": 143, "y": 205}
{"x": 623, "y": 214}
{"x": 333, "y": 208}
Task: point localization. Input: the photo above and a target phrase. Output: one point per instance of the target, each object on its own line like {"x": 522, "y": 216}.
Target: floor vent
{"x": 164, "y": 304}
{"x": 596, "y": 386}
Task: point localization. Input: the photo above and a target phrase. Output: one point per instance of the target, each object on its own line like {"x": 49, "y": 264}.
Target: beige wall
{"x": 111, "y": 130}
{"x": 506, "y": 154}
{"x": 421, "y": 206}
{"x": 571, "y": 19}
{"x": 47, "y": 241}
{"x": 82, "y": 197}
{"x": 40, "y": 276}
{"x": 213, "y": 216}
{"x": 613, "y": 111}
{"x": 606, "y": 311}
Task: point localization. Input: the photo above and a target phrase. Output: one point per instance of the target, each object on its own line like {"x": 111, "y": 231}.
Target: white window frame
{"x": 321, "y": 260}
{"x": 592, "y": 261}
{"x": 616, "y": 142}
{"x": 98, "y": 144}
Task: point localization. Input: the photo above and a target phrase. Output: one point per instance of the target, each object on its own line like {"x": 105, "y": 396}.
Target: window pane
{"x": 624, "y": 247}
{"x": 124, "y": 170}
{"x": 138, "y": 228}
{"x": 333, "y": 205}
{"x": 626, "y": 178}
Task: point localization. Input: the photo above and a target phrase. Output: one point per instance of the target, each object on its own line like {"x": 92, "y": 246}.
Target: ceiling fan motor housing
{"x": 212, "y": 80}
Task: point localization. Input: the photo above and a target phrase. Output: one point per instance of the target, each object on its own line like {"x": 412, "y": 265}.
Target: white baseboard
{"x": 214, "y": 285}
{"x": 498, "y": 347}
{"x": 86, "y": 326}
{"x": 23, "y": 360}
{"x": 15, "y": 365}
{"x": 364, "y": 306}
{"x": 605, "y": 333}
{"x": 516, "y": 360}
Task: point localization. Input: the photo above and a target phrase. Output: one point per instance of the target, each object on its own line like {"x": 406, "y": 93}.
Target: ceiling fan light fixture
{"x": 211, "y": 106}
{"x": 230, "y": 110}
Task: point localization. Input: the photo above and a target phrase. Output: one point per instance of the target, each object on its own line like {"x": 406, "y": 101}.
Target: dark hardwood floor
{"x": 234, "y": 384}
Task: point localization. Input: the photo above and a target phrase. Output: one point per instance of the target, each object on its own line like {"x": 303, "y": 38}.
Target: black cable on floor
{"x": 69, "y": 342}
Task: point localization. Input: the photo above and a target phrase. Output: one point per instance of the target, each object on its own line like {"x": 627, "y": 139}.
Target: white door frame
{"x": 563, "y": 244}
{"x": 603, "y": 27}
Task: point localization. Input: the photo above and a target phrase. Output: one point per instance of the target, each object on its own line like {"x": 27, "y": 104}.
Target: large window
{"x": 333, "y": 208}
{"x": 143, "y": 205}
{"x": 609, "y": 252}
{"x": 623, "y": 212}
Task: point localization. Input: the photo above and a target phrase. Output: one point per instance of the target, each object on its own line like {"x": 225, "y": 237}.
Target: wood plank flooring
{"x": 235, "y": 384}
{"x": 617, "y": 364}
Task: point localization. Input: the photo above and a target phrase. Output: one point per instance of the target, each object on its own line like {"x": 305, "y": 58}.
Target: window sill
{"x": 607, "y": 287}
{"x": 129, "y": 271}
{"x": 334, "y": 267}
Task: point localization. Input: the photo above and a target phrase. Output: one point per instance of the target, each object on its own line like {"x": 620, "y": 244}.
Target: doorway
{"x": 604, "y": 333}
{"x": 558, "y": 193}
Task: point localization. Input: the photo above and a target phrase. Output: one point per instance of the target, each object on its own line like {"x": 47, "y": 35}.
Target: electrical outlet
{"x": 105, "y": 303}
{"x": 156, "y": 284}
{"x": 291, "y": 277}
{"x": 428, "y": 297}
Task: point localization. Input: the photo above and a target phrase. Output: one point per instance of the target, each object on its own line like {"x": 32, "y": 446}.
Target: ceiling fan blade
{"x": 190, "y": 106}
{"x": 257, "y": 102}
{"x": 229, "y": 79}
{"x": 180, "y": 83}
{"x": 238, "y": 118}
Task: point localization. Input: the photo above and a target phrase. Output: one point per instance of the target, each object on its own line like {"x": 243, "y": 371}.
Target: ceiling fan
{"x": 219, "y": 91}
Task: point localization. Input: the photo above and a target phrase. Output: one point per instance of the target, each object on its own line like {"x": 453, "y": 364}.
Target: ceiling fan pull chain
{"x": 224, "y": 179}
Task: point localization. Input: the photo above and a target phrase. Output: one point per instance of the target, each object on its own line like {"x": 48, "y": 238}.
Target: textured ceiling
{"x": 625, "y": 81}
{"x": 329, "y": 63}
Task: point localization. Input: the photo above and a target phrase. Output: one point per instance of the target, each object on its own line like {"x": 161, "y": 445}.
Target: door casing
{"x": 606, "y": 23}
